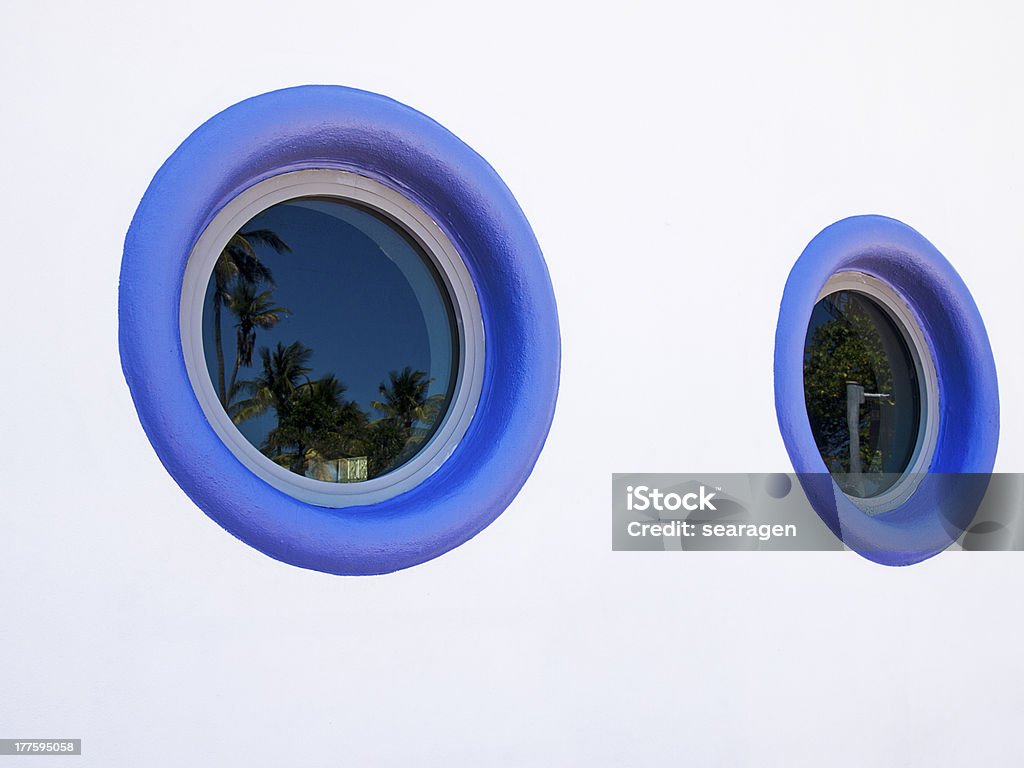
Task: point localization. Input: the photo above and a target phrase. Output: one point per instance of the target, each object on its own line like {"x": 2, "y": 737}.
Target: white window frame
{"x": 928, "y": 382}
{"x": 405, "y": 213}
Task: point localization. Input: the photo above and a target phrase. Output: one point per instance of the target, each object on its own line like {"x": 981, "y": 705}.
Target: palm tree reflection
{"x": 317, "y": 431}
{"x": 320, "y": 433}
{"x": 237, "y": 265}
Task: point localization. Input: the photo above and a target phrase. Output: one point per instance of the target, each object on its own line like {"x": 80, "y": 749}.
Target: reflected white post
{"x": 855, "y": 396}
{"x": 854, "y": 399}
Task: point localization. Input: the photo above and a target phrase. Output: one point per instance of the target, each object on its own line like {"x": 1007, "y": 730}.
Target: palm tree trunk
{"x": 218, "y": 345}
{"x": 234, "y": 375}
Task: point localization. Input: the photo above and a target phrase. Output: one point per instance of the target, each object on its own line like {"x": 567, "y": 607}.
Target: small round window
{"x": 327, "y": 324}
{"x": 875, "y": 326}
{"x": 867, "y": 390}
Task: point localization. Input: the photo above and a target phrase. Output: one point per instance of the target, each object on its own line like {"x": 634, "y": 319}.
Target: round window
{"x": 303, "y": 302}
{"x": 885, "y": 389}
{"x": 861, "y": 387}
{"x": 866, "y": 389}
{"x": 324, "y": 319}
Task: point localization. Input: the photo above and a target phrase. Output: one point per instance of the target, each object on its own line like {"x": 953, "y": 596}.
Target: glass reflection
{"x": 330, "y": 339}
{"x": 862, "y": 393}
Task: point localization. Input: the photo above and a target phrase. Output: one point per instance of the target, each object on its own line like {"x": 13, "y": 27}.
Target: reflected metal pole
{"x": 855, "y": 396}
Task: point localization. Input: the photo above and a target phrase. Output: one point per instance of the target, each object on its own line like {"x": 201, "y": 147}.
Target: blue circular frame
{"x": 344, "y": 129}
{"x": 942, "y": 506}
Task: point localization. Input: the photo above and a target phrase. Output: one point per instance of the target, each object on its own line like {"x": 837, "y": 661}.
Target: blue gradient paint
{"x": 340, "y": 128}
{"x": 945, "y": 502}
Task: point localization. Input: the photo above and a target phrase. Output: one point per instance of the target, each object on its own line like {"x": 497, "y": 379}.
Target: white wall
{"x": 673, "y": 164}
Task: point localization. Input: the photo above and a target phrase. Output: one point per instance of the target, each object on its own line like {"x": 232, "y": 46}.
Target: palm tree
{"x": 394, "y": 438}
{"x": 405, "y": 398}
{"x": 253, "y": 310}
{"x": 238, "y": 261}
{"x": 317, "y": 427}
{"x": 382, "y": 441}
{"x": 283, "y": 372}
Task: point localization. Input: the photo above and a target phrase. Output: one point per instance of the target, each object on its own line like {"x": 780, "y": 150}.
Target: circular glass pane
{"x": 862, "y": 392}
{"x": 330, "y": 339}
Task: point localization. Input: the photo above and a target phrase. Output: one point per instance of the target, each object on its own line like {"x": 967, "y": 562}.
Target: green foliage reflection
{"x": 844, "y": 346}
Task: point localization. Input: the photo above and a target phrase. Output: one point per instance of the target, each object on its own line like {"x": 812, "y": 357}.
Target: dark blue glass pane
{"x": 330, "y": 339}
{"x": 862, "y": 393}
